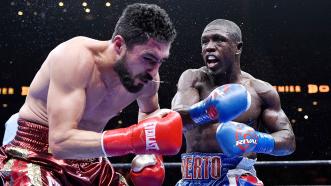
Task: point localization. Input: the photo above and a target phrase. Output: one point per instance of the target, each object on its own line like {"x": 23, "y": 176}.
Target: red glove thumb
{"x": 147, "y": 170}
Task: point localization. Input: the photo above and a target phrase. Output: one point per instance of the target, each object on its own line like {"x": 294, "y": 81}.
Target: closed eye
{"x": 150, "y": 60}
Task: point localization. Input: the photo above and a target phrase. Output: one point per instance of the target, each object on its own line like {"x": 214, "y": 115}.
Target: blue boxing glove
{"x": 236, "y": 139}
{"x": 223, "y": 104}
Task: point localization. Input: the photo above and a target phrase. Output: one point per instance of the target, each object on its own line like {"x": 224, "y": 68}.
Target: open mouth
{"x": 211, "y": 61}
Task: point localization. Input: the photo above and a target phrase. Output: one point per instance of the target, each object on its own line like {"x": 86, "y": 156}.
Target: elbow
{"x": 56, "y": 149}
{"x": 285, "y": 146}
{"x": 291, "y": 145}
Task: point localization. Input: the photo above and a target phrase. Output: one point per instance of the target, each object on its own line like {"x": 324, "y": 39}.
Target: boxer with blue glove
{"x": 222, "y": 107}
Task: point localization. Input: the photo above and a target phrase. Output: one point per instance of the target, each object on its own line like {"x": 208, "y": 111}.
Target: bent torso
{"x": 103, "y": 101}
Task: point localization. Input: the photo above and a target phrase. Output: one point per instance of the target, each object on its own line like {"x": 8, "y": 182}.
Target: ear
{"x": 119, "y": 45}
{"x": 239, "y": 48}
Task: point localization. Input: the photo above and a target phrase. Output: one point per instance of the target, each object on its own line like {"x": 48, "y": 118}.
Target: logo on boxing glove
{"x": 150, "y": 136}
{"x": 245, "y": 138}
{"x": 212, "y": 112}
{"x": 218, "y": 92}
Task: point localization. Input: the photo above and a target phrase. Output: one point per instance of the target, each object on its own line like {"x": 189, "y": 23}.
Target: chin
{"x": 218, "y": 71}
{"x": 215, "y": 68}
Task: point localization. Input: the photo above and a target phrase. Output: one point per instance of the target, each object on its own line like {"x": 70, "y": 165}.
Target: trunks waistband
{"x": 209, "y": 166}
{"x": 31, "y": 136}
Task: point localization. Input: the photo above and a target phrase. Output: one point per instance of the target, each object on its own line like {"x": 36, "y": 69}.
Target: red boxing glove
{"x": 150, "y": 136}
{"x": 147, "y": 170}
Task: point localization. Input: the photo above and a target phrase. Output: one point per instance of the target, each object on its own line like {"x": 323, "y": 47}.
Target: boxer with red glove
{"x": 150, "y": 136}
{"x": 236, "y": 139}
{"x": 223, "y": 104}
{"x": 147, "y": 170}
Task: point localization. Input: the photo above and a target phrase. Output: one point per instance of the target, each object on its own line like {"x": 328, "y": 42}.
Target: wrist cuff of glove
{"x": 200, "y": 114}
{"x": 265, "y": 143}
{"x": 102, "y": 145}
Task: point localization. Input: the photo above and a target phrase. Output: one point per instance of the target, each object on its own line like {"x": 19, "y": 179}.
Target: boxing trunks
{"x": 26, "y": 160}
{"x": 217, "y": 169}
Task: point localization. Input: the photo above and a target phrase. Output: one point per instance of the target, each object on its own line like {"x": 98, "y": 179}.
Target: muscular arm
{"x": 186, "y": 96}
{"x": 69, "y": 74}
{"x": 276, "y": 122}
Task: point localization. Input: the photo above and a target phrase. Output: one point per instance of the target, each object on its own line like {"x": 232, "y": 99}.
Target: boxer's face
{"x": 141, "y": 64}
{"x": 218, "y": 50}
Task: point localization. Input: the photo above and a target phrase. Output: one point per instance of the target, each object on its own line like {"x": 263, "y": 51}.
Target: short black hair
{"x": 139, "y": 22}
{"x": 232, "y": 28}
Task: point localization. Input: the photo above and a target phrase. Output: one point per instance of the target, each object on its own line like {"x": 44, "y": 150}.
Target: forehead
{"x": 216, "y": 30}
{"x": 152, "y": 46}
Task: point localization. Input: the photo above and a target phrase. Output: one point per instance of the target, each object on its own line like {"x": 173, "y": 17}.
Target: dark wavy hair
{"x": 139, "y": 22}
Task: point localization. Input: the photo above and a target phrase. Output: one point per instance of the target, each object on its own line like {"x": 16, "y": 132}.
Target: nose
{"x": 154, "y": 69}
{"x": 210, "y": 47}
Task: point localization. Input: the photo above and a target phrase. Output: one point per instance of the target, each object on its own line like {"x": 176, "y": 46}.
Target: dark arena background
{"x": 286, "y": 43}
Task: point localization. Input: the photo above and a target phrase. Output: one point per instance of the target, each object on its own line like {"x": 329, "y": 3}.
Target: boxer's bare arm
{"x": 148, "y": 102}
{"x": 276, "y": 122}
{"x": 186, "y": 96}
{"x": 70, "y": 70}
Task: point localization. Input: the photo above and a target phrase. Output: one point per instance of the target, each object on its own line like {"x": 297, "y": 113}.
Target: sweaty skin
{"x": 76, "y": 91}
{"x": 195, "y": 85}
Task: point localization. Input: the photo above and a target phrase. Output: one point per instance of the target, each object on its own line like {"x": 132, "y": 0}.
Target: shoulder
{"x": 193, "y": 75}
{"x": 188, "y": 79}
{"x": 74, "y": 46}
{"x": 72, "y": 59}
{"x": 74, "y": 51}
{"x": 265, "y": 91}
{"x": 258, "y": 85}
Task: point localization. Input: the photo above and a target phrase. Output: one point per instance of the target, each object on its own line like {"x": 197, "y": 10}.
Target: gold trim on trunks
{"x": 6, "y": 170}
{"x": 34, "y": 173}
{"x": 18, "y": 152}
